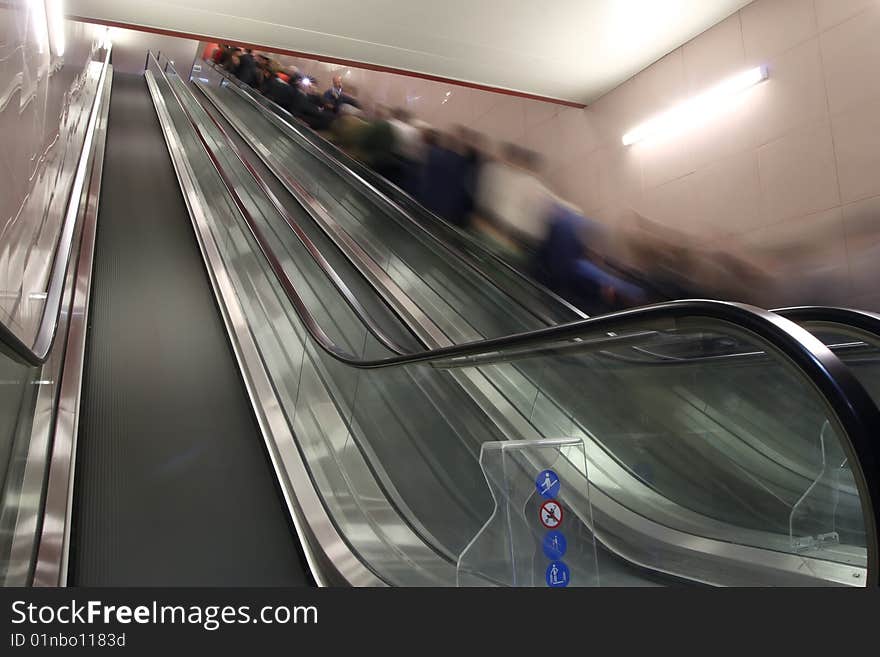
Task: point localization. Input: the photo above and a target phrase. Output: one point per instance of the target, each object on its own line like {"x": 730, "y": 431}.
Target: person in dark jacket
{"x": 308, "y": 107}
{"x": 445, "y": 181}
{"x": 568, "y": 267}
{"x": 335, "y": 96}
{"x": 282, "y": 93}
{"x": 247, "y": 68}
{"x": 473, "y": 149}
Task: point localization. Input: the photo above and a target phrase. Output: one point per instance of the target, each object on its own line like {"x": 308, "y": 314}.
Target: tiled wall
{"x": 788, "y": 175}
{"x": 44, "y": 108}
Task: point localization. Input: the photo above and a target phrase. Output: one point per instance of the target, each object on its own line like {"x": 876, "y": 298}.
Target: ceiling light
{"x": 697, "y": 108}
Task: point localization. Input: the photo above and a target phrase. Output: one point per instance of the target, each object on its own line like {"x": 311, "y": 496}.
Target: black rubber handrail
{"x": 38, "y": 352}
{"x": 861, "y": 322}
{"x": 847, "y": 399}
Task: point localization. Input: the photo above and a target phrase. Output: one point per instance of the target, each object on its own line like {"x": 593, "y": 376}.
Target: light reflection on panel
{"x": 44, "y": 104}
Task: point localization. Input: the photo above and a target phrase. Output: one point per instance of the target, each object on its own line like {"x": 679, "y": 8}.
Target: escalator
{"x": 420, "y": 244}
{"x": 323, "y": 422}
{"x": 747, "y": 407}
{"x": 172, "y": 484}
{"x": 513, "y": 411}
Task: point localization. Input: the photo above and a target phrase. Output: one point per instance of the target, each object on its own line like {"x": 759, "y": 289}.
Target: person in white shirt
{"x": 513, "y": 200}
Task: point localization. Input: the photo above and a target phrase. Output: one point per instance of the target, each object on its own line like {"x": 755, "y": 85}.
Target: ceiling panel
{"x": 572, "y": 50}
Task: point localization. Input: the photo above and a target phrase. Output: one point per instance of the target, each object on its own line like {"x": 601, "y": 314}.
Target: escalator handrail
{"x": 38, "y": 352}
{"x": 864, "y": 324}
{"x": 862, "y": 321}
{"x": 341, "y": 160}
{"x": 351, "y": 300}
{"x": 847, "y": 399}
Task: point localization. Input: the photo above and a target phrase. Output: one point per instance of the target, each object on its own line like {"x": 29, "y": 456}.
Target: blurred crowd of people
{"x": 497, "y": 193}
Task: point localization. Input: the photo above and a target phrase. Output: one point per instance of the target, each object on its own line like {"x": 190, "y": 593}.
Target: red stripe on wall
{"x": 331, "y": 60}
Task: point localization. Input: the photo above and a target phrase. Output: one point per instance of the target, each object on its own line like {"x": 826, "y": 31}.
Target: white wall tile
{"x": 537, "y": 111}
{"x": 617, "y": 112}
{"x": 862, "y": 224}
{"x": 798, "y": 174}
{"x": 620, "y": 175}
{"x": 727, "y": 195}
{"x": 506, "y": 120}
{"x": 857, "y": 147}
{"x": 714, "y": 55}
{"x": 662, "y": 84}
{"x": 793, "y": 96}
{"x": 663, "y": 160}
{"x": 484, "y": 102}
{"x": 578, "y": 184}
{"x": 851, "y": 55}
{"x": 832, "y": 12}
{"x": 728, "y": 131}
{"x": 672, "y": 205}
{"x": 770, "y": 27}
{"x": 578, "y": 136}
{"x": 562, "y": 139}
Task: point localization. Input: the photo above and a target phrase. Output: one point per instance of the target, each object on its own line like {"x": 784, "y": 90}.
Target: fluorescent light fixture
{"x": 55, "y": 14}
{"x": 697, "y": 108}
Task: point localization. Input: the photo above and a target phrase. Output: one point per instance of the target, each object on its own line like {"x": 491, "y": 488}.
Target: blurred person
{"x": 233, "y": 61}
{"x": 473, "y": 149}
{"x": 377, "y": 145}
{"x": 246, "y": 71}
{"x": 666, "y": 263}
{"x": 336, "y": 96}
{"x": 512, "y": 202}
{"x": 308, "y": 106}
{"x": 293, "y": 74}
{"x": 281, "y": 92}
{"x": 265, "y": 73}
{"x": 444, "y": 183}
{"x": 348, "y": 130}
{"x": 734, "y": 277}
{"x": 212, "y": 52}
{"x": 566, "y": 264}
{"x": 221, "y": 56}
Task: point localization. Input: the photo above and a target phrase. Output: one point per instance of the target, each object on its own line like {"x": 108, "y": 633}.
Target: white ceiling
{"x": 568, "y": 49}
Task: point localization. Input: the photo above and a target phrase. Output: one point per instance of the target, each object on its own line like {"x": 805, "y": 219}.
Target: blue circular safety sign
{"x": 554, "y": 545}
{"x": 547, "y": 483}
{"x": 550, "y": 514}
{"x": 558, "y": 574}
